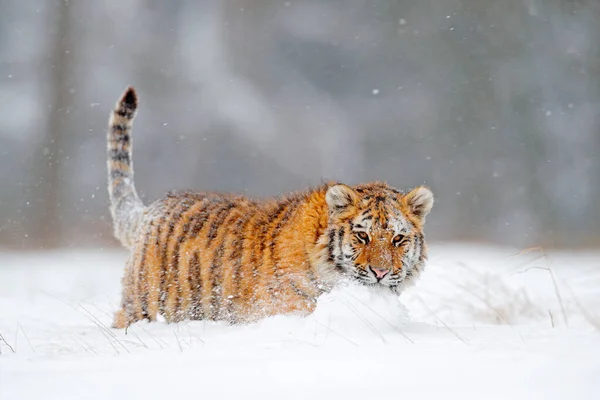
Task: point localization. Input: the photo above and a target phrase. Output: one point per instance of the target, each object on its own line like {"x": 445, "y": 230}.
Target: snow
{"x": 483, "y": 322}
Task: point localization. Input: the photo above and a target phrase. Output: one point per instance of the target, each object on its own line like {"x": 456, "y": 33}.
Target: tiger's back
{"x": 225, "y": 257}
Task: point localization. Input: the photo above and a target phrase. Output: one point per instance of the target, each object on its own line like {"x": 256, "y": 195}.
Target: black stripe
{"x": 119, "y": 141}
{"x": 235, "y": 258}
{"x": 198, "y": 220}
{"x": 254, "y": 259}
{"x": 292, "y": 205}
{"x": 118, "y": 173}
{"x": 340, "y": 238}
{"x": 216, "y": 267}
{"x": 124, "y": 112}
{"x": 216, "y": 271}
{"x": 300, "y": 292}
{"x": 314, "y": 282}
{"x": 118, "y": 129}
{"x": 142, "y": 279}
{"x": 272, "y": 218}
{"x": 118, "y": 155}
{"x": 331, "y": 245}
{"x": 166, "y": 271}
{"x": 186, "y": 205}
{"x": 191, "y": 228}
{"x": 166, "y": 208}
{"x": 175, "y": 265}
{"x": 279, "y": 210}
{"x": 218, "y": 221}
{"x": 195, "y": 280}
{"x": 341, "y": 242}
{"x": 420, "y": 242}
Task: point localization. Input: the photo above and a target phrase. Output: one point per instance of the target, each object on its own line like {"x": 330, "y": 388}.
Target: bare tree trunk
{"x": 50, "y": 154}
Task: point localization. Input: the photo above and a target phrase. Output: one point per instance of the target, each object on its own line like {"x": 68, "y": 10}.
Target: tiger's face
{"x": 375, "y": 233}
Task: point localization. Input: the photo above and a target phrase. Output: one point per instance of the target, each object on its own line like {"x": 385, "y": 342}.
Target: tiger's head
{"x": 375, "y": 233}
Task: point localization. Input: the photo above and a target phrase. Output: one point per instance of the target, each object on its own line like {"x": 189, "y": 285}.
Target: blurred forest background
{"x": 493, "y": 104}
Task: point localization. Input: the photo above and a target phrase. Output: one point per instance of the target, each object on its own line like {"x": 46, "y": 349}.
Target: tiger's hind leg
{"x": 131, "y": 310}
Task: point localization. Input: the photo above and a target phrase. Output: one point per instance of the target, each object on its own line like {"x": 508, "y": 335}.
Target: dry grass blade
{"x": 559, "y": 297}
{"x": 339, "y": 334}
{"x": 382, "y": 318}
{"x": 593, "y": 321}
{"x": 106, "y": 331}
{"x": 26, "y": 337}
{"x": 364, "y": 321}
{"x": 484, "y": 301}
{"x": 441, "y": 321}
{"x": 155, "y": 338}
{"x": 84, "y": 345}
{"x": 544, "y": 255}
{"x": 177, "y": 338}
{"x": 4, "y": 340}
{"x": 138, "y": 337}
{"x": 107, "y": 337}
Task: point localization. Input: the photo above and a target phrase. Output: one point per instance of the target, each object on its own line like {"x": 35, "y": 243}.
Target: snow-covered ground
{"x": 483, "y": 323}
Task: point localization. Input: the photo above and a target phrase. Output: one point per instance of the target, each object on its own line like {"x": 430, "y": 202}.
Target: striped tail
{"x": 125, "y": 205}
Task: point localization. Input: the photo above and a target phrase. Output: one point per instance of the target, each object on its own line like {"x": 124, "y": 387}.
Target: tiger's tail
{"x": 125, "y": 205}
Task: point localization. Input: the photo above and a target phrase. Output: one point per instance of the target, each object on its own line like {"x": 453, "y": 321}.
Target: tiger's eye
{"x": 398, "y": 239}
{"x": 363, "y": 236}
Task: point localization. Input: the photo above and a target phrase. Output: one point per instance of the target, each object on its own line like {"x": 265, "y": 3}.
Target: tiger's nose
{"x": 380, "y": 272}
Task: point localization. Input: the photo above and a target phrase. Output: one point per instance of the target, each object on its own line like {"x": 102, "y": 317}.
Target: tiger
{"x": 226, "y": 257}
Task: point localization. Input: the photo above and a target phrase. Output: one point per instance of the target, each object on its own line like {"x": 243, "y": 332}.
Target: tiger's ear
{"x": 419, "y": 201}
{"x": 340, "y": 196}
